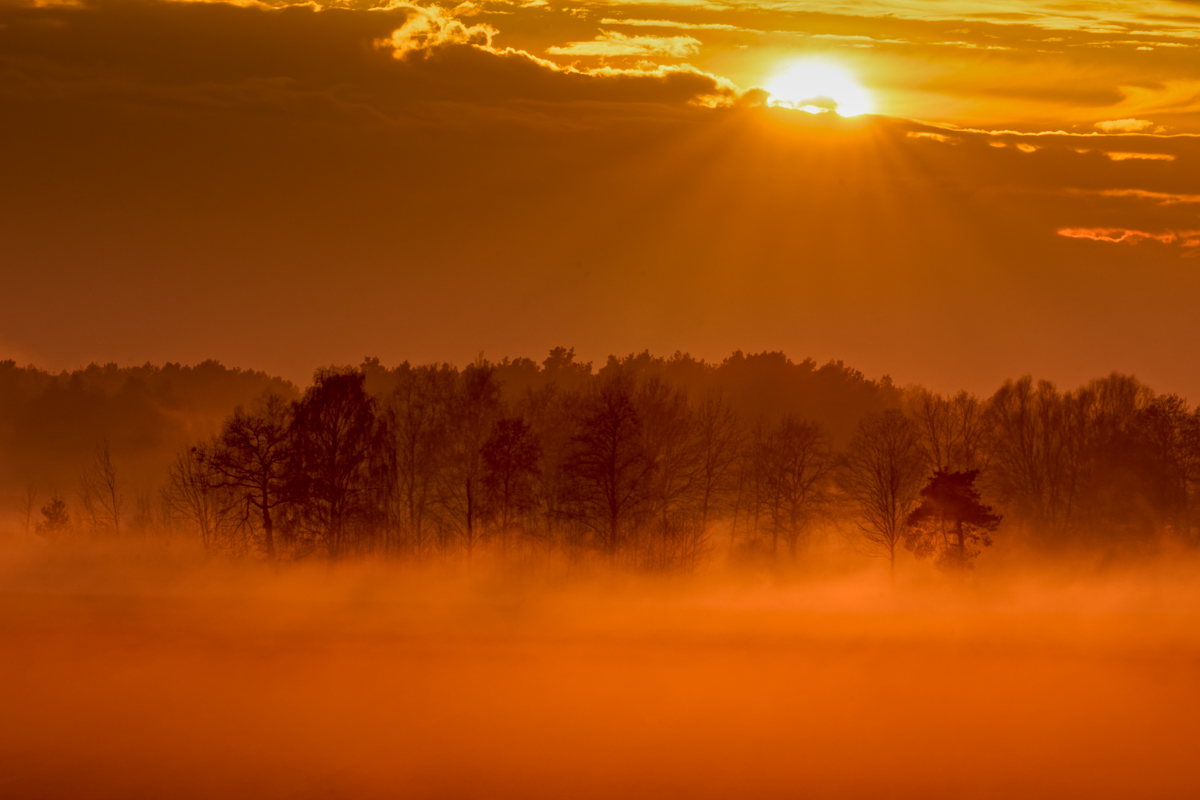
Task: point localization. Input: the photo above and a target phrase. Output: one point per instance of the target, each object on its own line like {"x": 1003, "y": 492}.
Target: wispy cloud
{"x": 856, "y": 40}
{"x": 1187, "y": 239}
{"x": 1117, "y": 235}
{"x": 936, "y": 137}
{"x": 1118, "y": 156}
{"x": 610, "y": 44}
{"x": 668, "y": 23}
{"x": 1162, "y": 198}
{"x": 1124, "y": 125}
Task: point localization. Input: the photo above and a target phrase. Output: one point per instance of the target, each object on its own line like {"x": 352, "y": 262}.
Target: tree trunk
{"x": 962, "y": 550}
{"x": 268, "y": 529}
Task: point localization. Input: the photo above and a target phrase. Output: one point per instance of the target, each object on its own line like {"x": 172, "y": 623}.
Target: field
{"x": 145, "y": 673}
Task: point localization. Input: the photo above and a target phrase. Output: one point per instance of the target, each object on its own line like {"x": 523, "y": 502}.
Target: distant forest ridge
{"x": 646, "y": 461}
{"x": 51, "y": 424}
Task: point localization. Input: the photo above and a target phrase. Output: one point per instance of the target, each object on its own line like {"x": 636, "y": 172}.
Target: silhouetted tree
{"x": 336, "y": 466}
{"x": 882, "y": 477}
{"x": 55, "y": 519}
{"x": 418, "y": 417}
{"x": 953, "y": 433}
{"x": 720, "y": 442}
{"x": 1190, "y": 463}
{"x": 100, "y": 492}
{"x": 143, "y": 512}
{"x": 27, "y": 507}
{"x": 250, "y": 458}
{"x": 608, "y": 473}
{"x": 193, "y": 493}
{"x": 794, "y": 466}
{"x": 951, "y": 524}
{"x": 511, "y": 457}
{"x": 747, "y": 497}
{"x": 474, "y": 409}
{"x": 552, "y": 414}
{"x": 1164, "y": 427}
{"x": 1033, "y": 449}
{"x": 111, "y": 499}
{"x": 671, "y": 442}
{"x": 50, "y": 424}
{"x": 1120, "y": 493}
{"x": 560, "y": 369}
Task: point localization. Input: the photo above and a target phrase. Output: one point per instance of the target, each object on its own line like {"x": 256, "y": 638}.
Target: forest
{"x": 647, "y": 463}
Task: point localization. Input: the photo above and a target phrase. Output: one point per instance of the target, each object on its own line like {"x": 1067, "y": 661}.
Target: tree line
{"x": 634, "y": 469}
{"x": 51, "y": 424}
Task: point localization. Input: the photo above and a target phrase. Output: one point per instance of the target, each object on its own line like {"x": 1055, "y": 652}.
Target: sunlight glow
{"x": 818, "y": 86}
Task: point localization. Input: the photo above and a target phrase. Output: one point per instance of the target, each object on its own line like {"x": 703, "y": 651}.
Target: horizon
{"x": 597, "y": 363}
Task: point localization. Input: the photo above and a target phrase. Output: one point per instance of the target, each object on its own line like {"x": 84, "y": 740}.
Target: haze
{"x": 150, "y": 676}
{"x": 601, "y": 399}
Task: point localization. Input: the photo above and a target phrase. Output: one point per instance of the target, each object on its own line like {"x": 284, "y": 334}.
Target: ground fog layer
{"x": 145, "y": 672}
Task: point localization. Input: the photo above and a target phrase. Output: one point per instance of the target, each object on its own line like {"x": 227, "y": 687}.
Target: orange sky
{"x": 284, "y": 187}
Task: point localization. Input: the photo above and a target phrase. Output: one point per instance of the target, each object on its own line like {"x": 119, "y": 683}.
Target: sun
{"x": 818, "y": 86}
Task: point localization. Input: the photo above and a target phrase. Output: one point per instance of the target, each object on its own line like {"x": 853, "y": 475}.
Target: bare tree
{"x": 953, "y": 433}
{"x": 417, "y": 416}
{"x": 337, "y": 474}
{"x": 748, "y": 496}
{"x": 104, "y": 473}
{"x": 608, "y": 472}
{"x": 474, "y": 410}
{"x": 671, "y": 443}
{"x": 143, "y": 514}
{"x": 195, "y": 494}
{"x": 88, "y": 503}
{"x": 250, "y": 458}
{"x": 1190, "y": 463}
{"x": 882, "y": 476}
{"x": 1044, "y": 446}
{"x": 553, "y": 415}
{"x": 510, "y": 462}
{"x": 100, "y": 492}
{"x": 794, "y": 465}
{"x": 720, "y": 444}
{"x": 1029, "y": 449}
{"x": 28, "y": 506}
{"x": 1165, "y": 427}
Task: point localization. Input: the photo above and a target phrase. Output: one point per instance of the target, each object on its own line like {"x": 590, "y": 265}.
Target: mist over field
{"x": 664, "y": 577}
{"x": 145, "y": 670}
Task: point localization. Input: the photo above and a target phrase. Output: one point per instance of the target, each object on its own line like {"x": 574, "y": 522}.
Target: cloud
{"x": 433, "y": 26}
{"x": 610, "y": 44}
{"x": 1026, "y": 148}
{"x": 1124, "y": 125}
{"x": 936, "y": 137}
{"x": 1162, "y": 198}
{"x": 402, "y": 62}
{"x": 666, "y": 23}
{"x": 972, "y": 46}
{"x": 1156, "y": 136}
{"x": 1117, "y": 235}
{"x": 1124, "y": 156}
{"x": 856, "y": 40}
{"x": 1189, "y": 240}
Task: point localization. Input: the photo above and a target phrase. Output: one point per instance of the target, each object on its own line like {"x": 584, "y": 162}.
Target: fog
{"x": 143, "y": 669}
